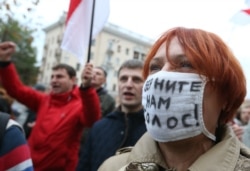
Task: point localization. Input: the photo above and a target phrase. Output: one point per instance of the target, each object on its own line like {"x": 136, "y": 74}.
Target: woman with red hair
{"x": 194, "y": 85}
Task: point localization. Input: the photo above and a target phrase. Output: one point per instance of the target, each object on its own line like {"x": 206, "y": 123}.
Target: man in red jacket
{"x": 61, "y": 114}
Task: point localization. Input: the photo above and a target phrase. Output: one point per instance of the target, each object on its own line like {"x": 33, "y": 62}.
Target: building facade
{"x": 112, "y": 46}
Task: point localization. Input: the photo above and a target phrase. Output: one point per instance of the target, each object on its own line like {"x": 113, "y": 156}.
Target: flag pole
{"x": 91, "y": 30}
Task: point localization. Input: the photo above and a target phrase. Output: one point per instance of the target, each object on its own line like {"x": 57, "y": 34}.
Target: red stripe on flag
{"x": 247, "y": 11}
{"x": 72, "y": 6}
{"x": 14, "y": 157}
{"x": 242, "y": 17}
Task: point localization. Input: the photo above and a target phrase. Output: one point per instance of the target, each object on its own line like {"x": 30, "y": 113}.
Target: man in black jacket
{"x": 98, "y": 82}
{"x": 121, "y": 128}
{"x": 107, "y": 102}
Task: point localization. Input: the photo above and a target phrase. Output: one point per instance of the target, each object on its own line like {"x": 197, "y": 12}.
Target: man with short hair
{"x": 61, "y": 114}
{"x": 98, "y": 81}
{"x": 121, "y": 128}
{"x": 107, "y": 102}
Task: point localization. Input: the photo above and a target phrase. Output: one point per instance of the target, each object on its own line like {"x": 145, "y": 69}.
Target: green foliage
{"x": 11, "y": 29}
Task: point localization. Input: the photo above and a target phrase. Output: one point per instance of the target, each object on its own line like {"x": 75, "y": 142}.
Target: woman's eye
{"x": 154, "y": 68}
{"x": 185, "y": 64}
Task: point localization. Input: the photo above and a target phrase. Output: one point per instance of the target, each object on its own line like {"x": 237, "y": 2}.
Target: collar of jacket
{"x": 63, "y": 98}
{"x": 101, "y": 91}
{"x": 118, "y": 111}
{"x": 222, "y": 156}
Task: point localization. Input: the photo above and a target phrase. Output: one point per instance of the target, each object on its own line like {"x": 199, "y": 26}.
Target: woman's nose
{"x": 167, "y": 67}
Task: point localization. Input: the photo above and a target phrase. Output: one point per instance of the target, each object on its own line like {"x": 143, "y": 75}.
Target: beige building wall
{"x": 109, "y": 49}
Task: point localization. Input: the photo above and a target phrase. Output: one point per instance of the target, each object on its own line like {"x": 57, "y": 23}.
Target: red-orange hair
{"x": 210, "y": 56}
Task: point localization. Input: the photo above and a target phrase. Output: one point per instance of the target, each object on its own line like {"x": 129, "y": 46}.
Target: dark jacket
{"x": 106, "y": 100}
{"x": 107, "y": 104}
{"x": 107, "y": 135}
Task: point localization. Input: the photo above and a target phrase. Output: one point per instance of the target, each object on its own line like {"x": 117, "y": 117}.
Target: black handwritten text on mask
{"x": 167, "y": 88}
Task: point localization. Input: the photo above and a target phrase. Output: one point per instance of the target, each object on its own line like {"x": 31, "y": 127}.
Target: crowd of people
{"x": 174, "y": 113}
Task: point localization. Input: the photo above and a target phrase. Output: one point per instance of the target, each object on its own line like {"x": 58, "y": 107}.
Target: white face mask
{"x": 172, "y": 104}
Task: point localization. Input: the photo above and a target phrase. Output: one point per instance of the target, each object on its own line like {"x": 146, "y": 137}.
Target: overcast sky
{"x": 151, "y": 17}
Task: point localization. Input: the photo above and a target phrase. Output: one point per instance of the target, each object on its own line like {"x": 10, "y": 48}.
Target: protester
{"x": 193, "y": 88}
{"x": 107, "y": 102}
{"x": 14, "y": 150}
{"x": 6, "y": 102}
{"x": 245, "y": 111}
{"x": 98, "y": 81}
{"x": 121, "y": 128}
{"x": 244, "y": 114}
{"x": 237, "y": 129}
{"x": 239, "y": 123}
{"x": 61, "y": 114}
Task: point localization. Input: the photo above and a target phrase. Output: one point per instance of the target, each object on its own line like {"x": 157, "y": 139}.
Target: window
{"x": 115, "y": 73}
{"x": 143, "y": 56}
{"x": 117, "y": 60}
{"x": 93, "y": 42}
{"x": 127, "y": 51}
{"x": 119, "y": 48}
{"x": 59, "y": 39}
{"x": 114, "y": 87}
{"x": 92, "y": 55}
{"x": 78, "y": 66}
{"x": 136, "y": 55}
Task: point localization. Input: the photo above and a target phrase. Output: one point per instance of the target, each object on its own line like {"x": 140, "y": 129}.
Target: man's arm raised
{"x": 90, "y": 99}
{"x": 6, "y": 51}
{"x": 10, "y": 79}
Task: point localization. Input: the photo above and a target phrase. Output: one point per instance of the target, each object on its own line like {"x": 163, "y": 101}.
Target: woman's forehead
{"x": 174, "y": 49}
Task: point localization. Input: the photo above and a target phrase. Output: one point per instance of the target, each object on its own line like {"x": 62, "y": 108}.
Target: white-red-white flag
{"x": 78, "y": 22}
{"x": 242, "y": 17}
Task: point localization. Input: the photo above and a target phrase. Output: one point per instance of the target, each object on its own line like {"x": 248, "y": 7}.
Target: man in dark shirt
{"x": 121, "y": 128}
